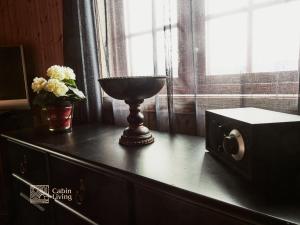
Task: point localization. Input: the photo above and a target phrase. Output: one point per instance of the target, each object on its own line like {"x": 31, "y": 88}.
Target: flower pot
{"x": 60, "y": 118}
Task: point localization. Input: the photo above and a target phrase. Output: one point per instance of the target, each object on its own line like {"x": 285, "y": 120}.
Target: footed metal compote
{"x": 133, "y": 90}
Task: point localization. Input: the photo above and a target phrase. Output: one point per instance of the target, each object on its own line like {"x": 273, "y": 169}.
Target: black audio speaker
{"x": 262, "y": 146}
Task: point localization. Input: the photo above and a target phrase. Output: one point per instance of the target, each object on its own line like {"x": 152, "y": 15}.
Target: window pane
{"x": 138, "y": 16}
{"x": 276, "y": 38}
{"x": 140, "y": 55}
{"x": 161, "y": 64}
{"x": 221, "y": 6}
{"x": 226, "y": 45}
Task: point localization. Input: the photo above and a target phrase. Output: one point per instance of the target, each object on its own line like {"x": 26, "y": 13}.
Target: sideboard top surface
{"x": 178, "y": 161}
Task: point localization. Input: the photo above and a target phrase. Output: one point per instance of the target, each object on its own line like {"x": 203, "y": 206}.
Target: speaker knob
{"x": 234, "y": 144}
{"x": 230, "y": 144}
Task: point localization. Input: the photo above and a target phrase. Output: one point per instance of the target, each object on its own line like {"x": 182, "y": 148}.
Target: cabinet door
{"x": 28, "y": 163}
{"x": 3, "y": 186}
{"x": 160, "y": 209}
{"x": 101, "y": 197}
{"x": 63, "y": 216}
{"x": 26, "y": 212}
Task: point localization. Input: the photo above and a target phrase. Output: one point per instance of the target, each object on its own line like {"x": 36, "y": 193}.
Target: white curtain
{"x": 216, "y": 54}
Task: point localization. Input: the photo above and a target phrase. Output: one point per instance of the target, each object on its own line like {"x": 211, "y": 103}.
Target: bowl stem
{"x": 136, "y": 133}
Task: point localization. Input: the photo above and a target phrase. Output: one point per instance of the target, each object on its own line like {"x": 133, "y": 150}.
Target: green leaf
{"x": 40, "y": 99}
{"x": 70, "y": 83}
{"x": 77, "y": 93}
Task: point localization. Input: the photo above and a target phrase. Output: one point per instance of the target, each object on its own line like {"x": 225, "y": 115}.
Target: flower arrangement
{"x": 59, "y": 89}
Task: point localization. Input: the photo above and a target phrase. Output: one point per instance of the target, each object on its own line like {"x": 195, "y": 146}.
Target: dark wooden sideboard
{"x": 10, "y": 120}
{"x": 173, "y": 181}
{"x": 3, "y": 194}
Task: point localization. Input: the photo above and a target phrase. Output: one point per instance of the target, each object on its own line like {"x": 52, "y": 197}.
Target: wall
{"x": 37, "y": 24}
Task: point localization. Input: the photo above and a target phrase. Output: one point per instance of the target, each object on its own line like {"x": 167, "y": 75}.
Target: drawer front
{"x": 100, "y": 197}
{"x": 26, "y": 212}
{"x": 160, "y": 209}
{"x": 63, "y": 216}
{"x": 27, "y": 163}
{"x": 3, "y": 187}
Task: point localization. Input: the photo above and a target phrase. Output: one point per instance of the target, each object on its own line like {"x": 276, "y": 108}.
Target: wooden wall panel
{"x": 38, "y": 25}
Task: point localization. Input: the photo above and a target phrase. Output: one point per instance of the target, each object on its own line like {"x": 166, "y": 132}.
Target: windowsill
{"x": 260, "y": 77}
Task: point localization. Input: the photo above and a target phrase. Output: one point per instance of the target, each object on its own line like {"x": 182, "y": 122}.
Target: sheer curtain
{"x": 216, "y": 54}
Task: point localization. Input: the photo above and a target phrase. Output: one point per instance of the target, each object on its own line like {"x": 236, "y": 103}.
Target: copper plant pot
{"x": 60, "y": 118}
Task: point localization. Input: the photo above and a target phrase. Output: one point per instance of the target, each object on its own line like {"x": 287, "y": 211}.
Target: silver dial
{"x": 234, "y": 144}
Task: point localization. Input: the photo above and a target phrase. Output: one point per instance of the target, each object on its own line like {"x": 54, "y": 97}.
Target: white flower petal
{"x": 57, "y": 87}
{"x": 38, "y": 84}
{"x": 56, "y": 72}
{"x": 69, "y": 73}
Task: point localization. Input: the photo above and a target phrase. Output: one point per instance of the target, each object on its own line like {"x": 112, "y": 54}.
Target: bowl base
{"x": 133, "y": 138}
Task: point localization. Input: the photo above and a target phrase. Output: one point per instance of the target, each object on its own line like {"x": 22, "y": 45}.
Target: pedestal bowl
{"x": 133, "y": 90}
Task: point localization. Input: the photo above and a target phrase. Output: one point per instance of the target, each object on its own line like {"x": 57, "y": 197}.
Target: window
{"x": 145, "y": 37}
{"x": 250, "y": 36}
{"x": 225, "y": 54}
{"x": 232, "y": 37}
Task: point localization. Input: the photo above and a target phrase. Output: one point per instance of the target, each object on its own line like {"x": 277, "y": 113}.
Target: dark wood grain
{"x": 3, "y": 191}
{"x": 176, "y": 165}
{"x": 62, "y": 216}
{"x": 27, "y": 164}
{"x": 12, "y": 120}
{"x": 27, "y": 212}
{"x": 157, "y": 208}
{"x": 96, "y": 195}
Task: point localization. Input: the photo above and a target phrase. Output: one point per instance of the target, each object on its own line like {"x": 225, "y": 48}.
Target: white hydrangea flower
{"x": 57, "y": 87}
{"x": 51, "y": 85}
{"x": 56, "y": 72}
{"x": 61, "y": 90}
{"x": 69, "y": 73}
{"x": 38, "y": 84}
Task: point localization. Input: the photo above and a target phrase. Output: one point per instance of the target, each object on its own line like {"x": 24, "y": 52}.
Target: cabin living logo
{"x": 40, "y": 194}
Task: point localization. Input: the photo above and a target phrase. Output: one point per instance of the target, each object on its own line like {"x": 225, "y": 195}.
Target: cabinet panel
{"x": 27, "y": 163}
{"x": 160, "y": 209}
{"x": 63, "y": 216}
{"x": 4, "y": 191}
{"x": 26, "y": 212}
{"x": 98, "y": 196}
